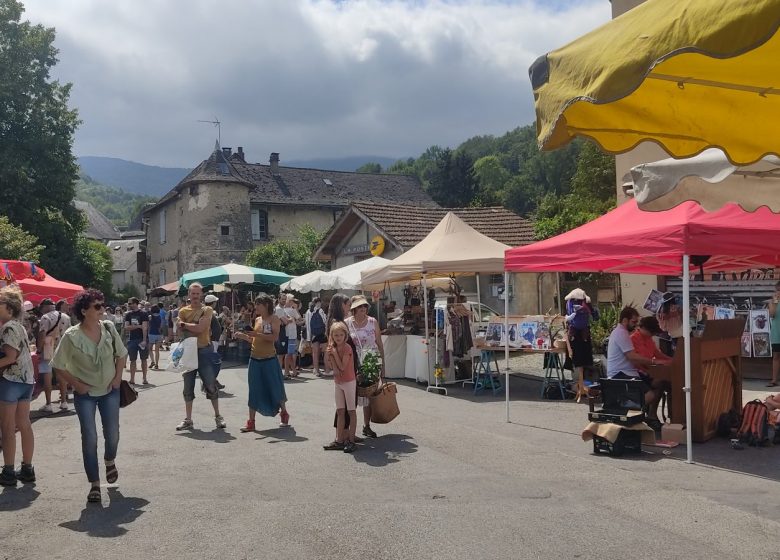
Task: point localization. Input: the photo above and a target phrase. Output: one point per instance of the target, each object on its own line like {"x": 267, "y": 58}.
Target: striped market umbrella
{"x": 234, "y": 274}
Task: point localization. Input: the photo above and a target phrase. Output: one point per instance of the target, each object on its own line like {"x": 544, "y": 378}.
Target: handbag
{"x": 127, "y": 395}
{"x": 384, "y": 404}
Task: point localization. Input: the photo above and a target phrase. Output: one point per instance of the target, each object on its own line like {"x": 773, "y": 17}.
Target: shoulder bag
{"x": 127, "y": 395}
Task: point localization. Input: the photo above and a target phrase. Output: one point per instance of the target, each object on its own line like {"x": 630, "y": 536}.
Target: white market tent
{"x": 452, "y": 248}
{"x": 309, "y": 282}
{"x": 349, "y": 277}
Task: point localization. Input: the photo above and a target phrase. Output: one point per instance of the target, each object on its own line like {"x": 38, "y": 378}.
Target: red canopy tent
{"x": 664, "y": 243}
{"x": 10, "y": 270}
{"x": 49, "y": 287}
{"x": 630, "y": 240}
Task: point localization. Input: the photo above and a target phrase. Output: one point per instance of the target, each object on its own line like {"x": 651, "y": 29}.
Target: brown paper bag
{"x": 384, "y": 405}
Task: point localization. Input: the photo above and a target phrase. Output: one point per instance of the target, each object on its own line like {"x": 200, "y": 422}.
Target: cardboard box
{"x": 674, "y": 432}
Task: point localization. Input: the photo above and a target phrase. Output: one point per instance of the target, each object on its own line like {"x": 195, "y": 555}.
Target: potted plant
{"x": 368, "y": 376}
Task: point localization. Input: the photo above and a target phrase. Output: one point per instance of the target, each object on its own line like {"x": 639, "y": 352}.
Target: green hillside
{"x": 119, "y": 206}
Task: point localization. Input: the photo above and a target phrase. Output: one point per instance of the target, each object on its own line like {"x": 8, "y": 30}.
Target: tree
{"x": 37, "y": 167}
{"x": 453, "y": 184}
{"x": 369, "y": 168}
{"x": 292, "y": 257}
{"x": 492, "y": 178}
{"x": 592, "y": 195}
{"x": 93, "y": 265}
{"x": 17, "y": 244}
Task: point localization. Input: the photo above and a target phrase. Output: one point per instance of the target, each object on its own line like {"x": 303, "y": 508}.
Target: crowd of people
{"x": 85, "y": 347}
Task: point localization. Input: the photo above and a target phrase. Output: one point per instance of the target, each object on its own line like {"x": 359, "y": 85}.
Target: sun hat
{"x": 358, "y": 301}
{"x": 211, "y": 298}
{"x": 27, "y": 305}
{"x": 576, "y": 293}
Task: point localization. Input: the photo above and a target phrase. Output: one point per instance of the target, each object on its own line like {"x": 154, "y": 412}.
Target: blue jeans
{"x": 85, "y": 406}
{"x": 207, "y": 369}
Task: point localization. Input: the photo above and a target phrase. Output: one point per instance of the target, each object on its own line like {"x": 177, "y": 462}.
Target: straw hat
{"x": 358, "y": 301}
{"x": 576, "y": 293}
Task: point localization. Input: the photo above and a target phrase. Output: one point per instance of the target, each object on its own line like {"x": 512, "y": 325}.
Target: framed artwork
{"x": 759, "y": 321}
{"x": 761, "y": 346}
{"x": 747, "y": 345}
{"x": 653, "y": 301}
{"x": 724, "y": 313}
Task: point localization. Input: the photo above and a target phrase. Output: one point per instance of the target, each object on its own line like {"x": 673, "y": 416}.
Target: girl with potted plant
{"x": 340, "y": 354}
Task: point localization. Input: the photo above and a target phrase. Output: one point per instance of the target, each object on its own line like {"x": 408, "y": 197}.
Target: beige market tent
{"x": 709, "y": 179}
{"x": 309, "y": 282}
{"x": 452, "y": 247}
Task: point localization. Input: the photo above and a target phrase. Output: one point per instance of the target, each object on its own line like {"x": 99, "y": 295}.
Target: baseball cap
{"x": 46, "y": 301}
{"x": 211, "y": 298}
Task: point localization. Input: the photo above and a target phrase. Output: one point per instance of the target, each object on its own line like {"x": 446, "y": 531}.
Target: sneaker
{"x": 220, "y": 386}
{"x": 285, "y": 419}
{"x": 185, "y": 424}
{"x": 333, "y": 446}
{"x": 48, "y": 408}
{"x": 368, "y": 432}
{"x": 26, "y": 473}
{"x": 359, "y": 439}
{"x": 220, "y": 422}
{"x": 64, "y": 406}
{"x": 349, "y": 447}
{"x": 8, "y": 476}
{"x": 249, "y": 426}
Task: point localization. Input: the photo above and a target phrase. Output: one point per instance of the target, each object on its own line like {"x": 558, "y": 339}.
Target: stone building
{"x": 226, "y": 206}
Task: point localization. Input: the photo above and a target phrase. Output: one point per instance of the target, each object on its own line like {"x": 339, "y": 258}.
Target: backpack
{"x": 754, "y": 429}
{"x": 317, "y": 324}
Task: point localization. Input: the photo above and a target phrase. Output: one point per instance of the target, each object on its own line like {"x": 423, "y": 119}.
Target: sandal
{"x": 112, "y": 474}
{"x": 94, "y": 496}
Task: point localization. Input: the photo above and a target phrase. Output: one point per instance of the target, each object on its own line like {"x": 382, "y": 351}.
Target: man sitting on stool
{"x": 623, "y": 361}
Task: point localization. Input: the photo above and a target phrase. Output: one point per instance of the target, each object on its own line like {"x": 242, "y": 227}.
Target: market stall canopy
{"x": 687, "y": 75}
{"x": 233, "y": 273}
{"x": 453, "y": 247}
{"x": 49, "y": 287}
{"x": 630, "y": 240}
{"x": 165, "y": 289}
{"x": 309, "y": 282}
{"x": 350, "y": 277}
{"x": 17, "y": 270}
{"x": 709, "y": 179}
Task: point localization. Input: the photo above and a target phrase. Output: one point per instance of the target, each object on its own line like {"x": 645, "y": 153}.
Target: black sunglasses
{"x": 98, "y": 306}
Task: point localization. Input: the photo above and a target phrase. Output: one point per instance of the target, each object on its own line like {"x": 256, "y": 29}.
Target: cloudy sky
{"x": 306, "y": 78}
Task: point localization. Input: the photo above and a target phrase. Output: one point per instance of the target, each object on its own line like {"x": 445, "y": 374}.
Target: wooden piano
{"x": 716, "y": 376}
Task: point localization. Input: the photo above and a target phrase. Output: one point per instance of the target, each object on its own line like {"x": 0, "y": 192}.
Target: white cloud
{"x": 307, "y": 78}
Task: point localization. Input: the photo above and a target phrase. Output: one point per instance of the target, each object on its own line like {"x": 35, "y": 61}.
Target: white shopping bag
{"x": 184, "y": 355}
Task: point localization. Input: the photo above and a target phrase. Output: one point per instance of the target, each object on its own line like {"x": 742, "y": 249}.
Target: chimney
{"x": 274, "y": 161}
{"x": 240, "y": 154}
{"x": 226, "y": 152}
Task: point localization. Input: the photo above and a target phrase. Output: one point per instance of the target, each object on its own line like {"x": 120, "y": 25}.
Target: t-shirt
{"x": 619, "y": 344}
{"x": 49, "y": 321}
{"x": 137, "y": 317}
{"x": 91, "y": 363}
{"x": 189, "y": 315}
{"x": 14, "y": 335}
{"x": 348, "y": 373}
{"x": 774, "y": 326}
{"x": 155, "y": 322}
{"x": 292, "y": 328}
{"x": 262, "y": 349}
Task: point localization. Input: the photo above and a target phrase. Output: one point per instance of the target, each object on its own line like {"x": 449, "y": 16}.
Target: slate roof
{"x": 409, "y": 225}
{"x": 301, "y": 186}
{"x": 406, "y": 226}
{"x": 99, "y": 227}
{"x": 292, "y": 185}
{"x": 123, "y": 253}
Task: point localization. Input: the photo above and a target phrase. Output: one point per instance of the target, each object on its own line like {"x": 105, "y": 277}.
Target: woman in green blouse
{"x": 91, "y": 357}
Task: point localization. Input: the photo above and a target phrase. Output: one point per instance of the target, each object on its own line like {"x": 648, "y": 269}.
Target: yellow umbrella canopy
{"x": 688, "y": 75}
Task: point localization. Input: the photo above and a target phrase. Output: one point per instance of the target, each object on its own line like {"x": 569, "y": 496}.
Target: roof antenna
{"x": 218, "y": 124}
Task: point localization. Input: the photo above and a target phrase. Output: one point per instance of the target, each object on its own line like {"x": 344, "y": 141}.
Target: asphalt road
{"x": 447, "y": 479}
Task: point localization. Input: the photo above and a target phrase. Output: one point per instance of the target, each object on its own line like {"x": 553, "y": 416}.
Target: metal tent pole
{"x": 425, "y": 332}
{"x": 686, "y": 304}
{"x": 506, "y": 341}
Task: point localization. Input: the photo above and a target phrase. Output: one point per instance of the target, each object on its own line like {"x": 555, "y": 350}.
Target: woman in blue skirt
{"x": 266, "y": 385}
